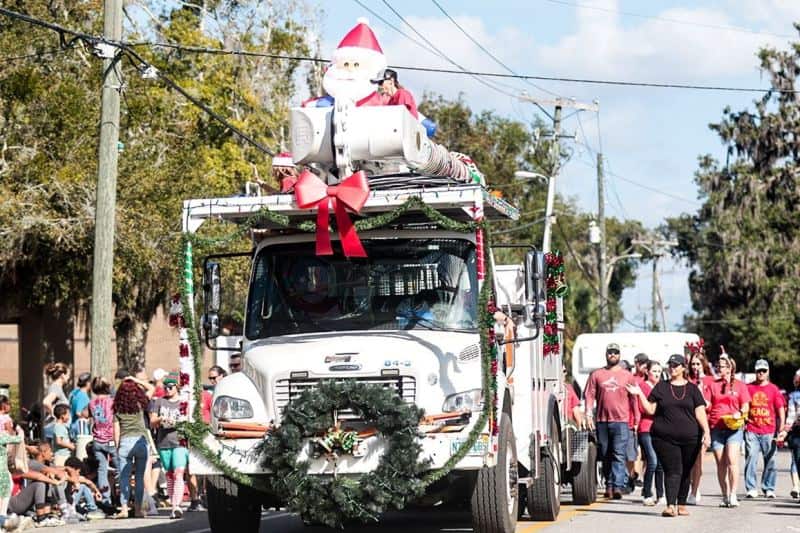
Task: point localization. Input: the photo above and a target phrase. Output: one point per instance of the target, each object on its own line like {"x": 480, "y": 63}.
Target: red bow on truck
{"x": 351, "y": 193}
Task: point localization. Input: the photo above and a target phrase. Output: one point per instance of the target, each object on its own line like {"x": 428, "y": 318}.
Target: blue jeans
{"x": 85, "y": 493}
{"x": 104, "y": 453}
{"x": 132, "y": 453}
{"x": 756, "y": 445}
{"x": 654, "y": 469}
{"x": 613, "y": 440}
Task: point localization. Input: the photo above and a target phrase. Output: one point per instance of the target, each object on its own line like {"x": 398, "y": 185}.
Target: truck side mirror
{"x": 535, "y": 287}
{"x": 212, "y": 288}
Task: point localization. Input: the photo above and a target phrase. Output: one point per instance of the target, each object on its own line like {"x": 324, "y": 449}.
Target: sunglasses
{"x": 761, "y": 371}
{"x": 610, "y": 352}
{"x": 170, "y": 386}
{"x": 674, "y": 365}
{"x": 213, "y": 378}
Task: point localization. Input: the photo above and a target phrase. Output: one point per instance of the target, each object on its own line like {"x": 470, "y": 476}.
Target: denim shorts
{"x": 721, "y": 437}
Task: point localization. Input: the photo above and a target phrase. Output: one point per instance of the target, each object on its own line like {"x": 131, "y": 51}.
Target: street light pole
{"x": 601, "y": 223}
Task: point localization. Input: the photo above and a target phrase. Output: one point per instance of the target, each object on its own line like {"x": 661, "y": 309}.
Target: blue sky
{"x": 649, "y": 136}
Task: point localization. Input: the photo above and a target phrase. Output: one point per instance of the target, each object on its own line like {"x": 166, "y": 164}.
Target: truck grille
{"x": 287, "y": 390}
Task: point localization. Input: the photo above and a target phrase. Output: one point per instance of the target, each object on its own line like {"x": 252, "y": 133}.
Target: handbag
{"x": 733, "y": 423}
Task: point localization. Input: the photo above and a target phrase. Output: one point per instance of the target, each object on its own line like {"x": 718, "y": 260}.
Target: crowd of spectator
{"x": 101, "y": 450}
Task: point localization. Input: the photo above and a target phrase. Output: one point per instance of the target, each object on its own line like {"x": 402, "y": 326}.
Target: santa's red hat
{"x": 360, "y": 44}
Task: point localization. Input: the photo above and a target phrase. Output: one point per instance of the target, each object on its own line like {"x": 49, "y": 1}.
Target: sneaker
{"x": 795, "y": 493}
{"x": 724, "y": 502}
{"x": 196, "y": 506}
{"x": 176, "y": 514}
{"x": 661, "y": 501}
{"x": 26, "y": 522}
{"x": 770, "y": 494}
{"x": 733, "y": 501}
{"x": 96, "y": 515}
{"x": 11, "y": 523}
{"x": 751, "y": 494}
{"x": 691, "y": 500}
{"x": 649, "y": 502}
{"x": 617, "y": 495}
{"x": 697, "y": 499}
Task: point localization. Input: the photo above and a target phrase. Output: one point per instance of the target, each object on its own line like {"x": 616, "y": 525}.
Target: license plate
{"x": 480, "y": 448}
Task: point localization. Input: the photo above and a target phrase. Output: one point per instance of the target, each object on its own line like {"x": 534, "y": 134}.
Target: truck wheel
{"x": 544, "y": 494}
{"x": 232, "y": 507}
{"x": 584, "y": 480}
{"x": 495, "y": 497}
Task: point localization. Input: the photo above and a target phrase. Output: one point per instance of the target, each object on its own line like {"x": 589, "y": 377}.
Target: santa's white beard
{"x": 343, "y": 84}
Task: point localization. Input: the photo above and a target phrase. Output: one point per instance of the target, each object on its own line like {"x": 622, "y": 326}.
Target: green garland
{"x": 386, "y": 486}
{"x": 331, "y": 500}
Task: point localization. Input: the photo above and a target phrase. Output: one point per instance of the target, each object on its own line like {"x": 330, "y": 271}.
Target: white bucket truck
{"x": 313, "y": 317}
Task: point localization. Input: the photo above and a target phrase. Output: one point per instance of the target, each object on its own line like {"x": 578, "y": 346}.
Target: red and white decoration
{"x": 186, "y": 367}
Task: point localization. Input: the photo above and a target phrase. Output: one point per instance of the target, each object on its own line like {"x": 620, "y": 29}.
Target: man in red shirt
{"x": 607, "y": 390}
{"x": 395, "y": 94}
{"x": 766, "y": 408}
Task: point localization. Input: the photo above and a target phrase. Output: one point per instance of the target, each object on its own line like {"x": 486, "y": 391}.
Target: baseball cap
{"x": 676, "y": 359}
{"x": 641, "y": 358}
{"x": 385, "y": 74}
{"x": 159, "y": 373}
{"x": 762, "y": 364}
{"x": 612, "y": 346}
{"x": 171, "y": 378}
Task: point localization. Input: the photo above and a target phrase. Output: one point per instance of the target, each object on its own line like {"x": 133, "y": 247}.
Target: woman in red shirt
{"x": 653, "y": 468}
{"x": 729, "y": 402}
{"x": 700, "y": 374}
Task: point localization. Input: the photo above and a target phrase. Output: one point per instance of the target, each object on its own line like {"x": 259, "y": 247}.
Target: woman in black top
{"x": 679, "y": 426}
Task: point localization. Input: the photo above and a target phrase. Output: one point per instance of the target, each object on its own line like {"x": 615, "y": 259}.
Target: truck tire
{"x": 544, "y": 493}
{"x": 232, "y": 507}
{"x": 584, "y": 479}
{"x": 495, "y": 497}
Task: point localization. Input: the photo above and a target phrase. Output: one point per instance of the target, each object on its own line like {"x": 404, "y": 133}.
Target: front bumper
{"x": 240, "y": 454}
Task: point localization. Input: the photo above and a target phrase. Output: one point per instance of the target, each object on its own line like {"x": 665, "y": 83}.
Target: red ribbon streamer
{"x": 351, "y": 193}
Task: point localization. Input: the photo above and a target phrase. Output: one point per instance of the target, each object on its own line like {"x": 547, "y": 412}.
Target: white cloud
{"x": 654, "y": 50}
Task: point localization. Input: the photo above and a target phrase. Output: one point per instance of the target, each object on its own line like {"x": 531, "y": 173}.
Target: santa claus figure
{"x": 356, "y": 63}
{"x": 357, "y": 60}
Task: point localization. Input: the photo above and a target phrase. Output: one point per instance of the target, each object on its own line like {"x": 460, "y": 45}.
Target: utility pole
{"x": 102, "y": 305}
{"x": 601, "y": 224}
{"x": 657, "y": 249}
{"x": 559, "y": 104}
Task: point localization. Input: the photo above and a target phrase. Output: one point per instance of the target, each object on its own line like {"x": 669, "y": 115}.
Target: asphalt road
{"x": 627, "y": 516}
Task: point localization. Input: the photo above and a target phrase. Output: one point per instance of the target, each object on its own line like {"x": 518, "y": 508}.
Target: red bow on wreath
{"x": 351, "y": 193}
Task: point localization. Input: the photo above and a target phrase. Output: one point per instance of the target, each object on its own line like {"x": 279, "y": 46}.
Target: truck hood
{"x": 429, "y": 365}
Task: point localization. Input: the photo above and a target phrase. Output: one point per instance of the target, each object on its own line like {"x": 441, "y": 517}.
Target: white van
{"x": 589, "y": 351}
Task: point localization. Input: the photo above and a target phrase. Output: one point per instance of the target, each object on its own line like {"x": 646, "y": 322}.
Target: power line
{"x": 491, "y": 55}
{"x": 473, "y": 73}
{"x": 672, "y": 21}
{"x": 647, "y": 187}
{"x": 145, "y": 67}
{"x": 441, "y": 54}
{"x": 462, "y": 71}
{"x": 138, "y": 63}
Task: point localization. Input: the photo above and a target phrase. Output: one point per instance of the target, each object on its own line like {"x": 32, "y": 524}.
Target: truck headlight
{"x": 471, "y": 400}
{"x": 228, "y": 408}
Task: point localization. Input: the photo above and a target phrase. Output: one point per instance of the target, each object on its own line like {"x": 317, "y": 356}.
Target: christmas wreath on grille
{"x": 334, "y": 499}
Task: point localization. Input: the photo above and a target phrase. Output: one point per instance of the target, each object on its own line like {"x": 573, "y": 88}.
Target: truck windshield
{"x": 402, "y": 284}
